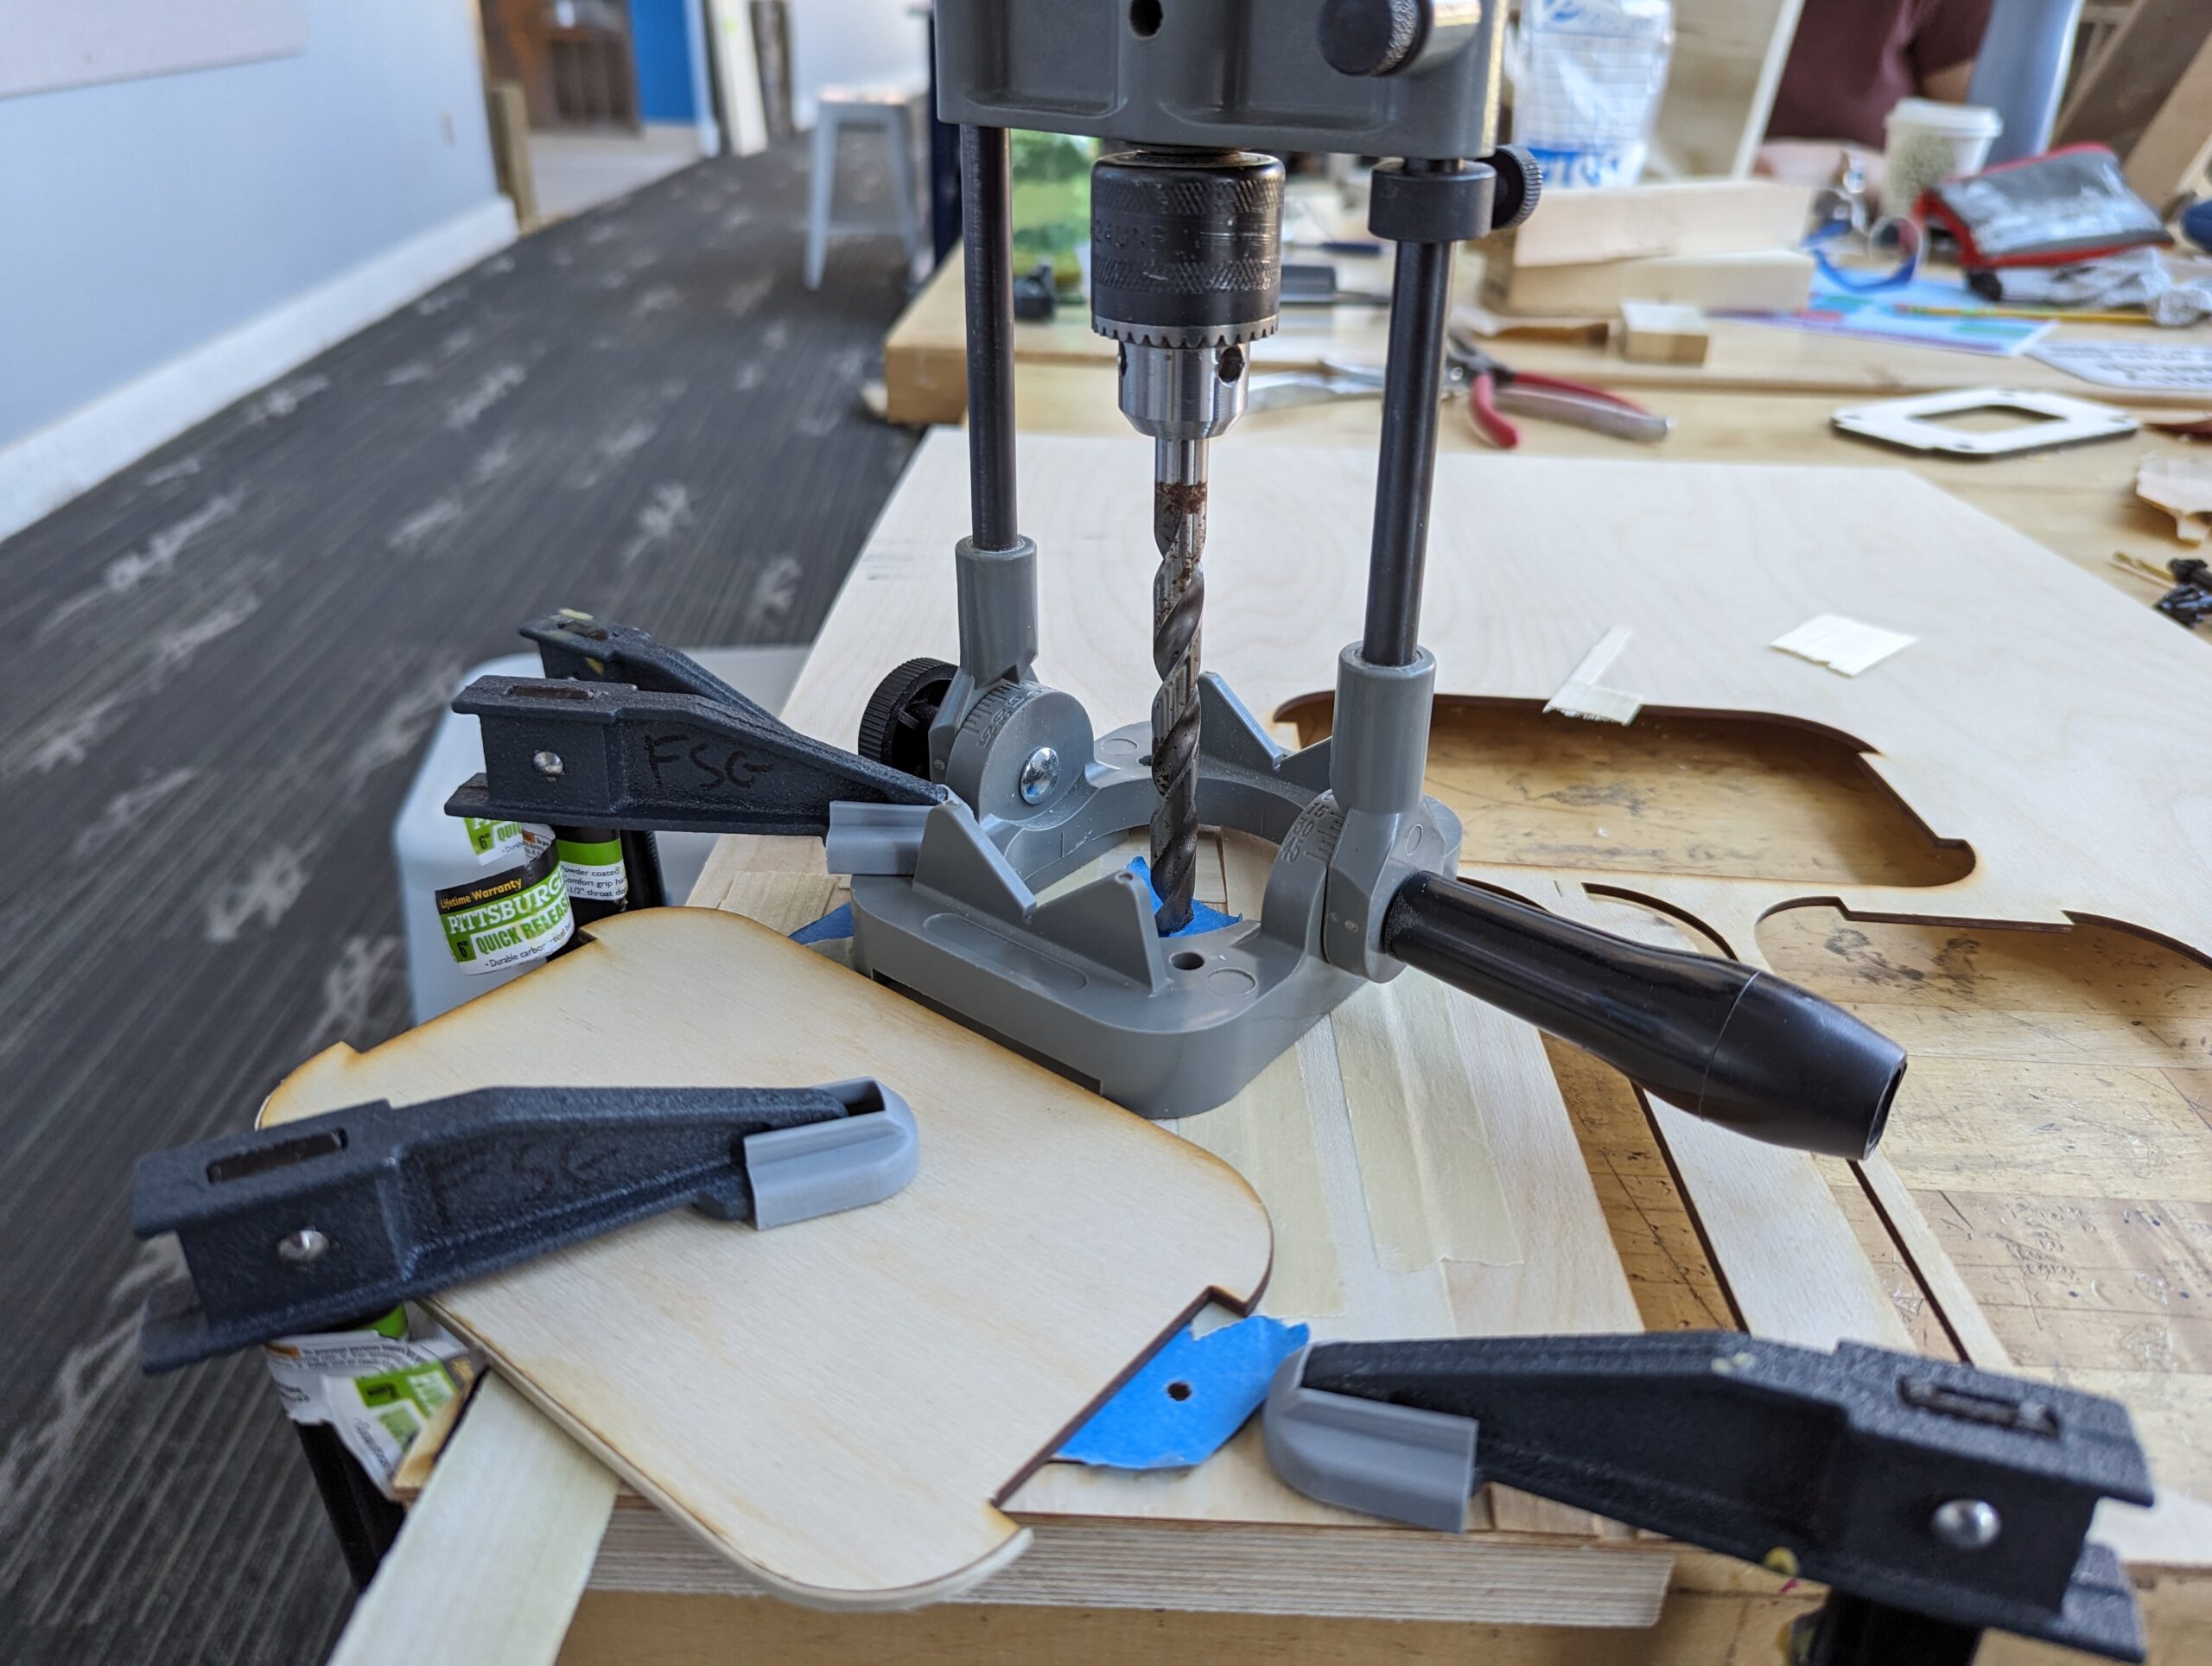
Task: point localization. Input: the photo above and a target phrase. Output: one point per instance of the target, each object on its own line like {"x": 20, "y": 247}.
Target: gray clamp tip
{"x": 1399, "y": 1462}
{"x": 821, "y": 1168}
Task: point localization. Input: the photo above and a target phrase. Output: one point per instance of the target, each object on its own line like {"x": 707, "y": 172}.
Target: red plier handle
{"x": 1492, "y": 390}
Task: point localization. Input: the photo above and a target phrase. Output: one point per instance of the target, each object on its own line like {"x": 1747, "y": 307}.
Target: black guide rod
{"x": 987, "y": 239}
{"x": 1421, "y": 299}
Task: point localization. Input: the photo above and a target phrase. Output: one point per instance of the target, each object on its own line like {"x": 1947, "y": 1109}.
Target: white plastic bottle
{"x": 1591, "y": 75}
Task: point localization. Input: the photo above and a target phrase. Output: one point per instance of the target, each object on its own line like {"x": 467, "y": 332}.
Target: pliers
{"x": 1492, "y": 390}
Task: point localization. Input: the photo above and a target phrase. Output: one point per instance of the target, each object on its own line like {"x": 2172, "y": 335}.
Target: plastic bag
{"x": 1591, "y": 77}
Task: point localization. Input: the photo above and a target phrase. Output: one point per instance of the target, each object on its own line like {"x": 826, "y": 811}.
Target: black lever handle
{"x": 1737, "y": 1046}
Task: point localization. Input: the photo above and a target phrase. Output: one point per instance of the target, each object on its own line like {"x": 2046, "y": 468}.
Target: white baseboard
{"x": 48, "y": 466}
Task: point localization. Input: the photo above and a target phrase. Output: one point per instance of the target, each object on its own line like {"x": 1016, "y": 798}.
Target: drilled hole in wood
{"x": 1179, "y": 1390}
{"x": 1733, "y": 796}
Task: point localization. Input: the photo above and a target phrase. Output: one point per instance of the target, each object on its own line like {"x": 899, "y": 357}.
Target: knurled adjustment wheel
{"x": 895, "y": 728}
{"x": 1520, "y": 183}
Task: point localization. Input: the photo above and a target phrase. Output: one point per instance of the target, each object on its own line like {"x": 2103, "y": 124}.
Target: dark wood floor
{"x": 221, "y": 664}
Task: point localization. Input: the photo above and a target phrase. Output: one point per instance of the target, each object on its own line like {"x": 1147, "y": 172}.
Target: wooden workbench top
{"x": 925, "y": 370}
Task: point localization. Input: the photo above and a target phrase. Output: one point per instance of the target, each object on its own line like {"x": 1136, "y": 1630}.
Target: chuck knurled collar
{"x": 1185, "y": 247}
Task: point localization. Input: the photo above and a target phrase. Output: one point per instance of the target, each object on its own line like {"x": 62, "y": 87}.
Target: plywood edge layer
{"x": 1385, "y": 1573}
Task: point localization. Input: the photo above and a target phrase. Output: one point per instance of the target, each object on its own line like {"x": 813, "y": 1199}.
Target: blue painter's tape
{"x": 1202, "y": 918}
{"x": 837, "y": 923}
{"x": 1187, "y": 1401}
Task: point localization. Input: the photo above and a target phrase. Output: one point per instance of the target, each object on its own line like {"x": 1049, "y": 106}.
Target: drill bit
{"x": 1178, "y": 590}
{"x": 1187, "y": 269}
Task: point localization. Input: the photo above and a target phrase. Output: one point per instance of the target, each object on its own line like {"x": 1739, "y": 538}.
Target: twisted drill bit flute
{"x": 1178, "y": 591}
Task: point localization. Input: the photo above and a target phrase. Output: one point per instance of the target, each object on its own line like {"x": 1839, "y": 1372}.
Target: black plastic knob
{"x": 1372, "y": 37}
{"x": 1520, "y": 182}
{"x": 895, "y": 726}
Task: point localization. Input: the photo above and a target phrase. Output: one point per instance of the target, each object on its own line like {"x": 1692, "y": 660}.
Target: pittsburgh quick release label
{"x": 519, "y": 914}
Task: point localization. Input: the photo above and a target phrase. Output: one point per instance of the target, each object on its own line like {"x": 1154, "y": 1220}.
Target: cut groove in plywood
{"x": 2075, "y": 1067}
{"x": 1721, "y": 794}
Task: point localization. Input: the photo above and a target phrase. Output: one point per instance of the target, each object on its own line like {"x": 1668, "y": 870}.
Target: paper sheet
{"x": 1842, "y": 645}
{"x": 2148, "y": 364}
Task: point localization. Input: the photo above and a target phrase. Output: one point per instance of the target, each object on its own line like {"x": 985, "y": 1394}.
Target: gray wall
{"x": 143, "y": 218}
{"x": 853, "y": 42}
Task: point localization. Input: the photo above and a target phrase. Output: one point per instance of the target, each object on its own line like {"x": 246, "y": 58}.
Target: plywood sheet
{"x": 2040, "y": 722}
{"x": 2040, "y": 718}
{"x": 836, "y": 1406}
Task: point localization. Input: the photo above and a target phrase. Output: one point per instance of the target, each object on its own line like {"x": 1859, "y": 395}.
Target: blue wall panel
{"x": 660, "y": 36}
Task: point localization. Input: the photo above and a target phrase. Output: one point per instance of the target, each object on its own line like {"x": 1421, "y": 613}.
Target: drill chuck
{"x": 1185, "y": 247}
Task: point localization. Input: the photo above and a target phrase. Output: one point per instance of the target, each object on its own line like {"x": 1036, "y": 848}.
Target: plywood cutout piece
{"x": 836, "y": 1406}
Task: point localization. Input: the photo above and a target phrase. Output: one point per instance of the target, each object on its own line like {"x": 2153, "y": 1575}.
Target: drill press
{"x": 978, "y": 787}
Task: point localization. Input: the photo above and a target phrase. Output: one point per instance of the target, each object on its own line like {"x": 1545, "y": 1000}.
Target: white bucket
{"x": 1929, "y": 142}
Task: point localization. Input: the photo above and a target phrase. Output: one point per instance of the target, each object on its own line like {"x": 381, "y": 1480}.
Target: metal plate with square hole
{"x": 2056, "y": 421}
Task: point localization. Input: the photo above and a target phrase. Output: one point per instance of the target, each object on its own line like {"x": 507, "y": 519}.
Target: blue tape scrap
{"x": 1202, "y": 918}
{"x": 837, "y": 923}
{"x": 1186, "y": 1400}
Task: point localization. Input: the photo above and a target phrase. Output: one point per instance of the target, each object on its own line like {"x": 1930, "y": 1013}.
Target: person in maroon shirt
{"x": 1850, "y": 63}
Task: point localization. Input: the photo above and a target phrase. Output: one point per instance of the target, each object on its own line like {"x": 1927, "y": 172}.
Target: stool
{"x": 890, "y": 111}
{"x": 431, "y": 850}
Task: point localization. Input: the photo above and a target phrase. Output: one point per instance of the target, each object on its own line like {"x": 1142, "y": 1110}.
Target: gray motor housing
{"x": 1215, "y": 74}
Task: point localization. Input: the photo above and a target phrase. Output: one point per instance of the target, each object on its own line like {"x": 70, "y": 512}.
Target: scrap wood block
{"x": 1693, "y": 217}
{"x": 1766, "y": 280}
{"x": 2182, "y": 487}
{"x": 836, "y": 1406}
{"x": 1664, "y": 332}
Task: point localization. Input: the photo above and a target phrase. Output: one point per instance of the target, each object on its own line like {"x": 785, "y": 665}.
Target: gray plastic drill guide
{"x": 995, "y": 591}
{"x": 1166, "y": 1027}
{"x": 823, "y": 1168}
{"x": 1401, "y": 1462}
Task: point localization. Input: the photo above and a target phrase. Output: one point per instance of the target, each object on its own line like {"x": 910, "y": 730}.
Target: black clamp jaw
{"x": 624, "y": 733}
{"x": 310, "y": 1226}
{"x": 1937, "y": 1501}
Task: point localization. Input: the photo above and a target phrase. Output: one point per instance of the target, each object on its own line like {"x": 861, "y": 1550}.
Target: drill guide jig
{"x": 977, "y": 786}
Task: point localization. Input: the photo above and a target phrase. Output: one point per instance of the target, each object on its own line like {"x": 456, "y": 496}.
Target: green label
{"x": 516, "y": 915}
{"x": 491, "y": 839}
{"x": 425, "y": 1386}
{"x": 593, "y": 869}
